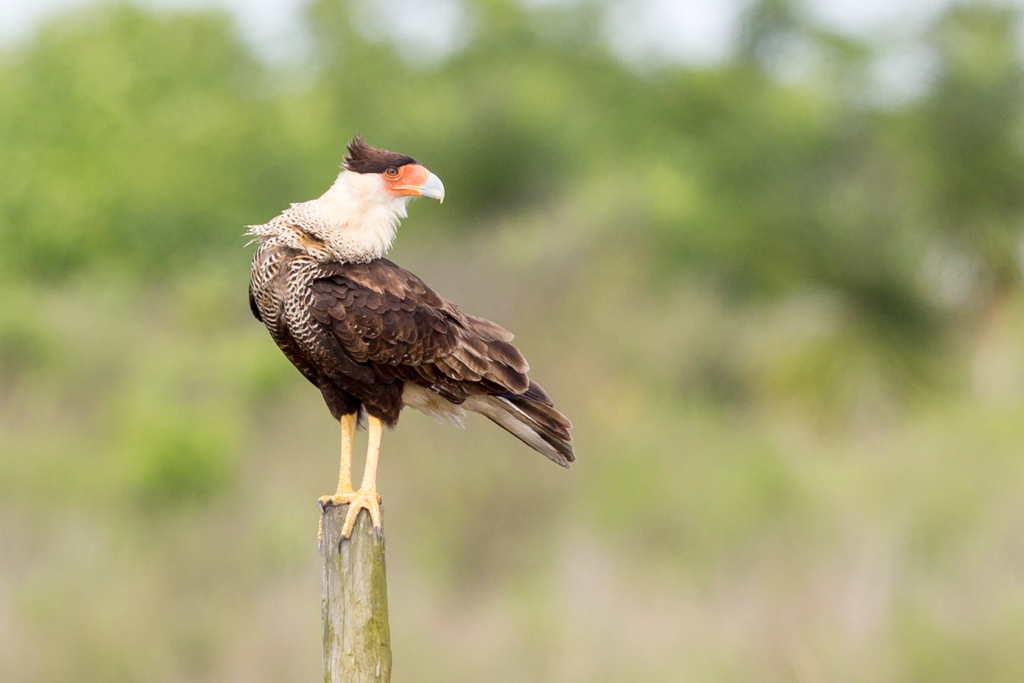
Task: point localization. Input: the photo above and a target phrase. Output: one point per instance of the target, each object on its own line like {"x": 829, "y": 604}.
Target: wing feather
{"x": 385, "y": 316}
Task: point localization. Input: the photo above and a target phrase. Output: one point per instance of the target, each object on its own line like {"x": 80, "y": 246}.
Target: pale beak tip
{"x": 433, "y": 188}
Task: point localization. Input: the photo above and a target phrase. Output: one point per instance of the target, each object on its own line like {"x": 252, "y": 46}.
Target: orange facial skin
{"x": 405, "y": 180}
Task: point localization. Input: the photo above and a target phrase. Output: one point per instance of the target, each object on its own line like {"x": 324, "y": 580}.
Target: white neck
{"x": 356, "y": 219}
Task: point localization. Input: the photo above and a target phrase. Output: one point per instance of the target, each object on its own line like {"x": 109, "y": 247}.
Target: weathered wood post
{"x": 357, "y": 639}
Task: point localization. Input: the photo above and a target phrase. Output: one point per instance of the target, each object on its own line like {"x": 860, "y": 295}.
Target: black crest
{"x": 362, "y": 158}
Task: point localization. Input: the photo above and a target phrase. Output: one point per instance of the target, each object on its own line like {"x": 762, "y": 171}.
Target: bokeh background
{"x": 769, "y": 264}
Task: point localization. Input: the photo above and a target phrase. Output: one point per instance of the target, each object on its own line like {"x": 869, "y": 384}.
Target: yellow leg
{"x": 344, "y": 494}
{"x": 366, "y": 496}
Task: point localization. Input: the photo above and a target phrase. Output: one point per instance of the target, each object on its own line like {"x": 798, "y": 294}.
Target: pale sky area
{"x": 688, "y": 30}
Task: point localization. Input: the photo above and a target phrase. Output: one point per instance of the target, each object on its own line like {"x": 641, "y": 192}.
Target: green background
{"x": 783, "y": 310}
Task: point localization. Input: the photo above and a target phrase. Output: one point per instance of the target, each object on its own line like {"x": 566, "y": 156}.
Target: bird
{"x": 372, "y": 336}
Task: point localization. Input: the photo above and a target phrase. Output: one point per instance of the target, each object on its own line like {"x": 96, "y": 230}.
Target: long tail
{"x": 532, "y": 418}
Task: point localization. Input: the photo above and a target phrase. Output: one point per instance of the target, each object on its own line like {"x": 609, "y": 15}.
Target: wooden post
{"x": 357, "y": 639}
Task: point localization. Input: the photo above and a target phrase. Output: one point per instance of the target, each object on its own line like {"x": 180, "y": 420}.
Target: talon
{"x": 337, "y": 500}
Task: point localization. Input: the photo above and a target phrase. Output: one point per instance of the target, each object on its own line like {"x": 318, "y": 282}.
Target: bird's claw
{"x": 337, "y": 500}
{"x": 356, "y": 500}
{"x": 367, "y": 499}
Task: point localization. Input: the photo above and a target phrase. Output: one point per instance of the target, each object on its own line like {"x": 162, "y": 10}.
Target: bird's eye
{"x": 392, "y": 171}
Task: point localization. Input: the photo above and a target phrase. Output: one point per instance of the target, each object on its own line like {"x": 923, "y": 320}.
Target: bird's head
{"x": 359, "y": 214}
{"x": 393, "y": 176}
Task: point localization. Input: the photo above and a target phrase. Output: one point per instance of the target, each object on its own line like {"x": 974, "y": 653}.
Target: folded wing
{"x": 385, "y": 317}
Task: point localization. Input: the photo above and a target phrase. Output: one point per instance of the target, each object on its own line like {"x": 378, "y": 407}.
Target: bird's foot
{"x": 363, "y": 498}
{"x": 356, "y": 501}
{"x": 340, "y": 497}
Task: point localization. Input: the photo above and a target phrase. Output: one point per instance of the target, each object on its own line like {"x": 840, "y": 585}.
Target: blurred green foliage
{"x": 782, "y": 307}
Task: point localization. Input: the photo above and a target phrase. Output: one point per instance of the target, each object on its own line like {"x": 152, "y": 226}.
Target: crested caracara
{"x": 371, "y": 336}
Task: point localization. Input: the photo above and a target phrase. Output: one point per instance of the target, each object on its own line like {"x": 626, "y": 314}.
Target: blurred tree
{"x": 969, "y": 130}
{"x": 135, "y": 140}
{"x": 768, "y": 28}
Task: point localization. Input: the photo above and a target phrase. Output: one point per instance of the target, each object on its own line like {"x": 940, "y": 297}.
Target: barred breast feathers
{"x": 296, "y": 227}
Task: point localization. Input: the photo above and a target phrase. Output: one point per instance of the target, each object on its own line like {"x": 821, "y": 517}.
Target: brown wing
{"x": 386, "y": 317}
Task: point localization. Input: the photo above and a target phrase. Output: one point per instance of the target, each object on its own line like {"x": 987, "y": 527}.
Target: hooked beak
{"x": 433, "y": 188}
